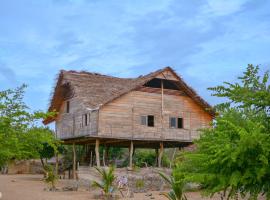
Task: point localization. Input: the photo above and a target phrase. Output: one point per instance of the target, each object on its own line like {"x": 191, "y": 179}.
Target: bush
{"x": 50, "y": 178}
{"x": 143, "y": 158}
{"x": 107, "y": 181}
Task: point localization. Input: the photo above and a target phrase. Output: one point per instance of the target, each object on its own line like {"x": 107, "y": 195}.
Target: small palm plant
{"x": 107, "y": 181}
{"x": 177, "y": 183}
{"x": 50, "y": 177}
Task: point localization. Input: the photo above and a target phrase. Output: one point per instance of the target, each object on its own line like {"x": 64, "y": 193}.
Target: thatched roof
{"x": 96, "y": 90}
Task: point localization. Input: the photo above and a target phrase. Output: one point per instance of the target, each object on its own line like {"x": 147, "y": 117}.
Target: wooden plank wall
{"x": 71, "y": 124}
{"x": 121, "y": 118}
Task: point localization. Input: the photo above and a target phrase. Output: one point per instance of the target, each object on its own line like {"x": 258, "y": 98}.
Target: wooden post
{"x": 130, "y": 154}
{"x": 107, "y": 155}
{"x": 160, "y": 154}
{"x": 97, "y": 153}
{"x": 162, "y": 109}
{"x": 104, "y": 155}
{"x": 156, "y": 150}
{"x": 74, "y": 162}
{"x": 162, "y": 97}
{"x": 91, "y": 158}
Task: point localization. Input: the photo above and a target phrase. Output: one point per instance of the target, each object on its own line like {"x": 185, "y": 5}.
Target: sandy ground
{"x": 31, "y": 187}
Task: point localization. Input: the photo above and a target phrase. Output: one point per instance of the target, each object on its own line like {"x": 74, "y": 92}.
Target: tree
{"x": 233, "y": 156}
{"x": 177, "y": 184}
{"x": 107, "y": 180}
{"x": 19, "y": 136}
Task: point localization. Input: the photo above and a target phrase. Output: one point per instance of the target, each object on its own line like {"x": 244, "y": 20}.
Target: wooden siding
{"x": 121, "y": 118}
{"x": 69, "y": 125}
{"x": 168, "y": 75}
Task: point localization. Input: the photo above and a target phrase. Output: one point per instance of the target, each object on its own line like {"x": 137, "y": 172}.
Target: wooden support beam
{"x": 107, "y": 155}
{"x": 156, "y": 150}
{"x": 103, "y": 156}
{"x": 160, "y": 154}
{"x": 74, "y": 161}
{"x": 91, "y": 158}
{"x": 131, "y": 148}
{"x": 97, "y": 153}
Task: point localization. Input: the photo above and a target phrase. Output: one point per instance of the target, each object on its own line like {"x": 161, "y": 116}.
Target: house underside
{"x": 125, "y": 143}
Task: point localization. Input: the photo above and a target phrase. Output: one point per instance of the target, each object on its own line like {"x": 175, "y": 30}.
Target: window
{"x": 67, "y": 107}
{"x": 143, "y": 120}
{"x": 180, "y": 123}
{"x": 172, "y": 122}
{"x": 84, "y": 120}
{"x": 176, "y": 122}
{"x": 148, "y": 120}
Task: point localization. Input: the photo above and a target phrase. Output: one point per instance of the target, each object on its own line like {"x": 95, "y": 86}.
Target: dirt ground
{"x": 31, "y": 187}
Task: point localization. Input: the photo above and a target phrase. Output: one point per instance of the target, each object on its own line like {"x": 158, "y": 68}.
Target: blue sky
{"x": 206, "y": 42}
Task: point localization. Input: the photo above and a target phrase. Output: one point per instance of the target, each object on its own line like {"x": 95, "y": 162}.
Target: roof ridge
{"x": 84, "y": 72}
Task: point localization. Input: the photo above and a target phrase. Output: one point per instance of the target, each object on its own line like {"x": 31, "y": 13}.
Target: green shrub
{"x": 143, "y": 158}
{"x": 50, "y": 176}
{"x": 139, "y": 183}
{"x": 177, "y": 184}
{"x": 107, "y": 179}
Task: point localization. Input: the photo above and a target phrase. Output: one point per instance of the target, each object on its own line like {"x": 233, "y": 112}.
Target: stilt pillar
{"x": 131, "y": 149}
{"x": 160, "y": 154}
{"x": 97, "y": 153}
{"x": 104, "y": 156}
{"x": 156, "y": 150}
{"x": 74, "y": 161}
{"x": 91, "y": 158}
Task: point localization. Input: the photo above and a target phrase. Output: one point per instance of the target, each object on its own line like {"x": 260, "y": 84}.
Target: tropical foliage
{"x": 177, "y": 184}
{"x": 107, "y": 181}
{"x": 50, "y": 176}
{"x": 233, "y": 157}
{"x": 20, "y": 136}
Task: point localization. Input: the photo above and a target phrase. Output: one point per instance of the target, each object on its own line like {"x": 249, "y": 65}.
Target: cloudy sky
{"x": 206, "y": 42}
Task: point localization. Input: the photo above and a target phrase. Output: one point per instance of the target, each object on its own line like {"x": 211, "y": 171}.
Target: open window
{"x": 176, "y": 122}
{"x": 67, "y": 107}
{"x": 148, "y": 120}
{"x": 167, "y": 84}
{"x": 84, "y": 120}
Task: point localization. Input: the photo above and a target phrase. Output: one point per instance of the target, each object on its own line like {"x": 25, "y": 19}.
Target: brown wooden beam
{"x": 74, "y": 161}
{"x": 160, "y": 154}
{"x": 97, "y": 152}
{"x": 131, "y": 154}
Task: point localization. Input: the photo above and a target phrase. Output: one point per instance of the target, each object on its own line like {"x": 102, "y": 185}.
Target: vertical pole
{"x": 130, "y": 154}
{"x": 91, "y": 158}
{"x": 162, "y": 108}
{"x": 74, "y": 162}
{"x": 97, "y": 153}
{"x": 160, "y": 154}
{"x": 103, "y": 155}
{"x": 162, "y": 96}
{"x": 107, "y": 155}
{"x": 156, "y": 150}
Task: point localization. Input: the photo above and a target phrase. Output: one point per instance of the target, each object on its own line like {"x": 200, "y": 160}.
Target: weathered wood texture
{"x": 72, "y": 124}
{"x": 121, "y": 117}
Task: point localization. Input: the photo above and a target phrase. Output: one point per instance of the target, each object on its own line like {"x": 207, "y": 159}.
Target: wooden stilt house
{"x": 158, "y": 110}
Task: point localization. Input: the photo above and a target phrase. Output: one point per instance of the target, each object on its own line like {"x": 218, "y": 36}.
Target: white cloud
{"x": 224, "y": 7}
